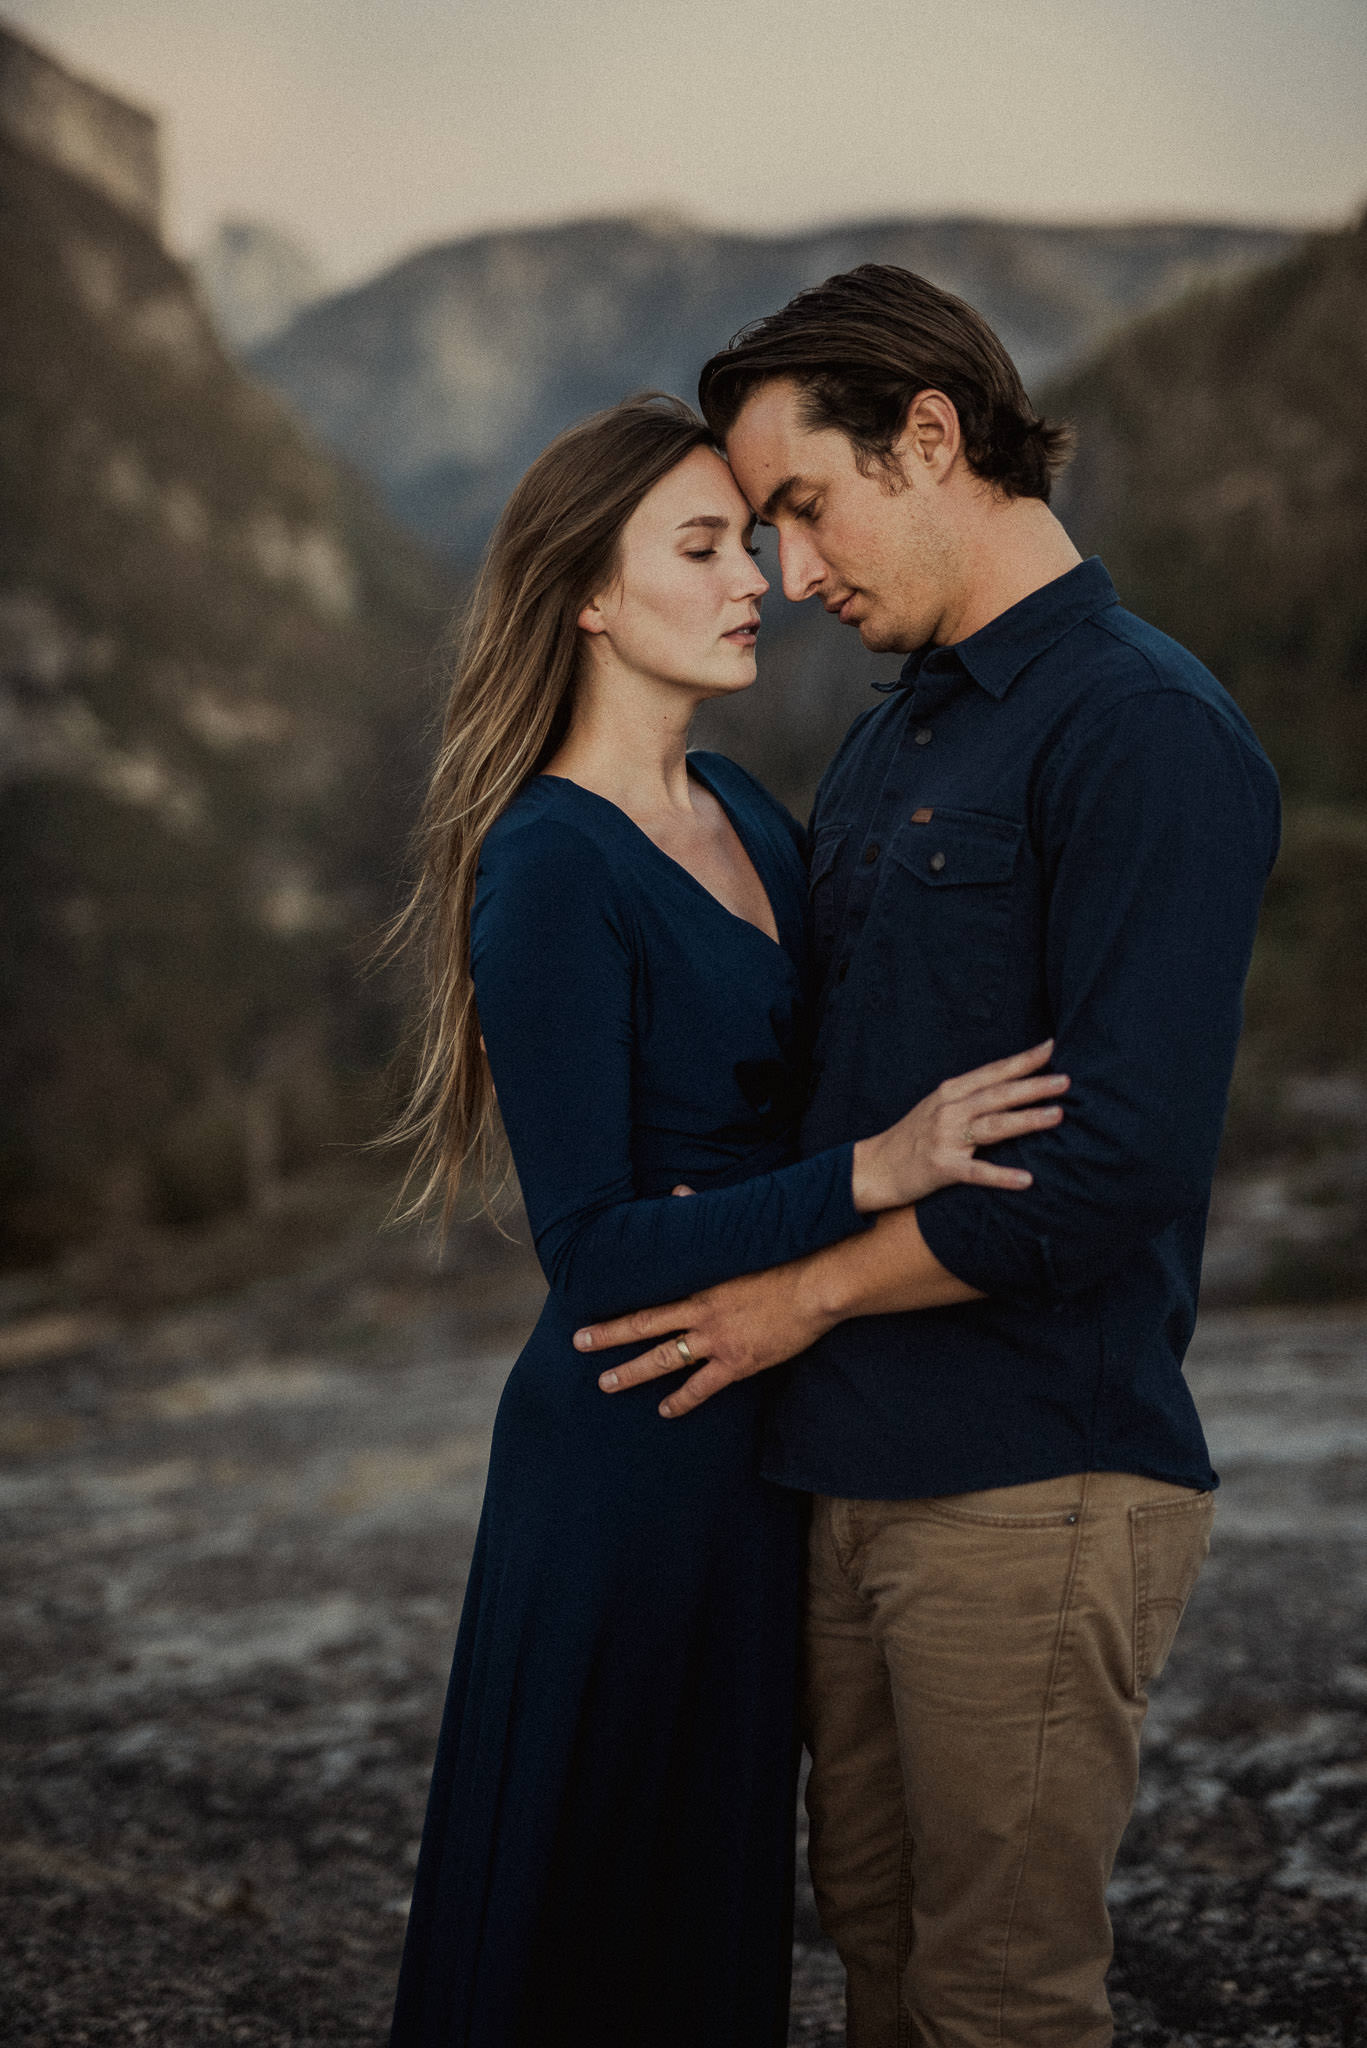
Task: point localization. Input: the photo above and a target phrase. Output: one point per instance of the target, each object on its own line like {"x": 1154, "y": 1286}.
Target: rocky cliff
{"x": 213, "y": 649}
{"x": 71, "y": 122}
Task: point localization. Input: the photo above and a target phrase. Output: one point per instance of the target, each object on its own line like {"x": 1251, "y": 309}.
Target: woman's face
{"x": 684, "y": 607}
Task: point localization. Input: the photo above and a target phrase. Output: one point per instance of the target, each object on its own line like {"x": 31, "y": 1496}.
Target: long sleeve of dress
{"x": 557, "y": 965}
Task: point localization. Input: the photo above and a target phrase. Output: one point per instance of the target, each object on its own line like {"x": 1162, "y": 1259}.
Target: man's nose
{"x": 801, "y": 566}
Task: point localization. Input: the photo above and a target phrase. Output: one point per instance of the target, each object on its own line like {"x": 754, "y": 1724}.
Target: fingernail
{"x": 583, "y": 1340}
{"x": 665, "y": 1408}
{"x": 608, "y": 1381}
{"x": 1023, "y": 1180}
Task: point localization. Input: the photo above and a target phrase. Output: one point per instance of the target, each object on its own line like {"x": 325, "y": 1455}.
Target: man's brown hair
{"x": 861, "y": 347}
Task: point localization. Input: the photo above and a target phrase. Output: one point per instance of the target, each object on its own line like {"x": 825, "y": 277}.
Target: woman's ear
{"x": 591, "y": 619}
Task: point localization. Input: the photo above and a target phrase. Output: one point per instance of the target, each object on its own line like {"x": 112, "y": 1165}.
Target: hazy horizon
{"x": 370, "y": 134}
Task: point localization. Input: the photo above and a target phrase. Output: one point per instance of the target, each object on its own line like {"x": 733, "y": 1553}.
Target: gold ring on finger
{"x": 681, "y": 1344}
{"x": 969, "y": 1138}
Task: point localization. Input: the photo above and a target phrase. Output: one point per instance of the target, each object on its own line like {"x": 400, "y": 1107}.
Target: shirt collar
{"x": 995, "y": 655}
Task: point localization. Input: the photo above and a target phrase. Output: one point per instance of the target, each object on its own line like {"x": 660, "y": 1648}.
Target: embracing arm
{"x": 888, "y": 1270}
{"x": 556, "y": 965}
{"x": 749, "y": 1324}
{"x": 1169, "y": 826}
{"x": 1162, "y": 818}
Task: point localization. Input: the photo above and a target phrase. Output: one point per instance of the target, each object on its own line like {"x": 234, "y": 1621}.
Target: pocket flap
{"x": 959, "y": 846}
{"x": 825, "y": 848}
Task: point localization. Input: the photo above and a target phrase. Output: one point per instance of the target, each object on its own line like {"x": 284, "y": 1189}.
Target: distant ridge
{"x": 442, "y": 377}
{"x": 257, "y": 279}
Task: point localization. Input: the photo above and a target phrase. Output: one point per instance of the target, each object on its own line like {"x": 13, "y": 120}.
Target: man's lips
{"x": 840, "y": 608}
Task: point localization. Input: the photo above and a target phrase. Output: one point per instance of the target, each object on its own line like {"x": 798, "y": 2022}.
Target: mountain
{"x": 444, "y": 376}
{"x": 213, "y": 676}
{"x": 257, "y": 279}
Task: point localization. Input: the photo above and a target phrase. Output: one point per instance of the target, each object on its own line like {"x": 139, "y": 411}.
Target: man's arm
{"x": 1157, "y": 825}
{"x": 1164, "y": 821}
{"x": 745, "y": 1326}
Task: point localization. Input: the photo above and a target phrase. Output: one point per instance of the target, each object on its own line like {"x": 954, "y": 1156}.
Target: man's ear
{"x": 931, "y": 437}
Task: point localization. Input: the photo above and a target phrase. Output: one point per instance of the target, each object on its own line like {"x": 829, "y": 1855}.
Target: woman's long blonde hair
{"x": 517, "y": 656}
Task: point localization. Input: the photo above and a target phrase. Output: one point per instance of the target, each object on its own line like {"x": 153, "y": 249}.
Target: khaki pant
{"x": 976, "y": 1682}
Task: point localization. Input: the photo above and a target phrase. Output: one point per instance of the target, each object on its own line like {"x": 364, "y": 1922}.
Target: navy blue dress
{"x": 607, "y": 1856}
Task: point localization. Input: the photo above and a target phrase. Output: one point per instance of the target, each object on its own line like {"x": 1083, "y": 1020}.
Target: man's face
{"x": 881, "y": 558}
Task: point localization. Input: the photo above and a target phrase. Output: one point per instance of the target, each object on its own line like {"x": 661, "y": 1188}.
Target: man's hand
{"x": 741, "y": 1327}
{"x": 744, "y": 1326}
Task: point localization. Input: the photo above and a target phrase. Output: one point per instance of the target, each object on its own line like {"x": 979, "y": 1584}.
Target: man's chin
{"x": 874, "y": 637}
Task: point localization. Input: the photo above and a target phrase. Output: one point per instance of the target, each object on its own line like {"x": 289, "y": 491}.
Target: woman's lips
{"x": 743, "y": 636}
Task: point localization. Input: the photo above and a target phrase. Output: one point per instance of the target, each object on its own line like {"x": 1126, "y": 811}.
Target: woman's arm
{"x": 554, "y": 965}
{"x": 555, "y": 962}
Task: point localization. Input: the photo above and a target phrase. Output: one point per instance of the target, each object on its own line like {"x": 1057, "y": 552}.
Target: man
{"x": 1057, "y": 825}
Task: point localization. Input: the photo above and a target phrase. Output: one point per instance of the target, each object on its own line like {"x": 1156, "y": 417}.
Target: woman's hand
{"x": 934, "y": 1144}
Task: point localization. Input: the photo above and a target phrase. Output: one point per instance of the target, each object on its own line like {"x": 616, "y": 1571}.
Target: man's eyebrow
{"x": 777, "y": 499}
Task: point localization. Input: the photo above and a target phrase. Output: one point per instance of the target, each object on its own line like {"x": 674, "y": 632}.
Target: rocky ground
{"x": 235, "y": 1515}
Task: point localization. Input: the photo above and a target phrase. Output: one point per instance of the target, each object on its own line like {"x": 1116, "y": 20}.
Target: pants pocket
{"x": 1169, "y": 1540}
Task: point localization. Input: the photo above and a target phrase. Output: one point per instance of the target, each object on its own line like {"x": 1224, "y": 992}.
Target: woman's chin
{"x": 745, "y": 670}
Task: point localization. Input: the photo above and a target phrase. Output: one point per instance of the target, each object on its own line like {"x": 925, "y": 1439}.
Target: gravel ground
{"x": 234, "y": 1530}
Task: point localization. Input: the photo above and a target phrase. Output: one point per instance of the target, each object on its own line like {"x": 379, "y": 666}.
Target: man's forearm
{"x": 884, "y": 1270}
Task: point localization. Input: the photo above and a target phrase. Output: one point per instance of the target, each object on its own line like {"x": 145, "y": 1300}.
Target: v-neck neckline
{"x": 699, "y": 776}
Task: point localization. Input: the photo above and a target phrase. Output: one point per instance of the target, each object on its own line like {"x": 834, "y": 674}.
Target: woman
{"x": 607, "y": 1853}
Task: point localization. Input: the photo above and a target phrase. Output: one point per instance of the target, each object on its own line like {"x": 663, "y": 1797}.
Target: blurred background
{"x": 292, "y": 292}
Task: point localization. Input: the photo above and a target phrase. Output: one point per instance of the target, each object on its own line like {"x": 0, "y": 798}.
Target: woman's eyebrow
{"x": 712, "y": 520}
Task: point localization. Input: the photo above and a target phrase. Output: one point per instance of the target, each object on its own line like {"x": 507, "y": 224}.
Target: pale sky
{"x": 370, "y": 127}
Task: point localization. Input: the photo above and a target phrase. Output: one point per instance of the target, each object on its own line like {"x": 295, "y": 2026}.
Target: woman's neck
{"x": 629, "y": 746}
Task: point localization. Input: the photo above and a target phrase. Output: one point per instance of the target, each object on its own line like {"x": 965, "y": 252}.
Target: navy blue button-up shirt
{"x": 1061, "y": 826}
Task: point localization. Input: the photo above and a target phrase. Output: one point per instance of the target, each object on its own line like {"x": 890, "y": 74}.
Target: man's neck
{"x": 1012, "y": 547}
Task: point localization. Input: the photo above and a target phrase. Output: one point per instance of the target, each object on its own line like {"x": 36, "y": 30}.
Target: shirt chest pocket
{"x": 951, "y": 886}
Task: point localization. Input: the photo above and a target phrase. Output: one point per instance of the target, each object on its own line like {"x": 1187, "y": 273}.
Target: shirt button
{"x": 871, "y": 853}
{"x": 923, "y": 736}
{"x": 937, "y": 861}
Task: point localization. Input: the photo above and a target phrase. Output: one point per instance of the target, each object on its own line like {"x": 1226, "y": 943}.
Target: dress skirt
{"x": 607, "y": 1855}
